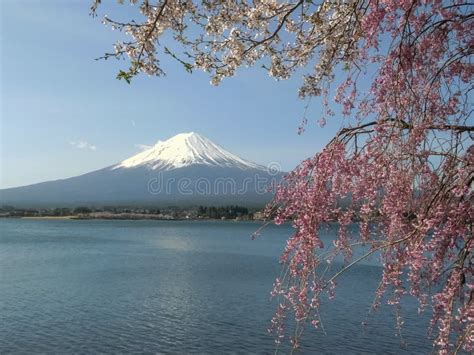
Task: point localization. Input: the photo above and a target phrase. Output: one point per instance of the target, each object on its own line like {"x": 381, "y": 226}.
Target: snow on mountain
{"x": 186, "y": 149}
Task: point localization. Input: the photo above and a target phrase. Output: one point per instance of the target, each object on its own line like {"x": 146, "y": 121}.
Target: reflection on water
{"x": 170, "y": 286}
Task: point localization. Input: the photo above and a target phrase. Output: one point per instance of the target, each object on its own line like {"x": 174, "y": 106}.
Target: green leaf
{"x": 127, "y": 76}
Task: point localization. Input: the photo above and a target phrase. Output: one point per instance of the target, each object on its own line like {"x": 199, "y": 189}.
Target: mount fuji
{"x": 183, "y": 150}
{"x": 187, "y": 169}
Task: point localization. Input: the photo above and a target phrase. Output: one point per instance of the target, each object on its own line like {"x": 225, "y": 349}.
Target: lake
{"x": 95, "y": 286}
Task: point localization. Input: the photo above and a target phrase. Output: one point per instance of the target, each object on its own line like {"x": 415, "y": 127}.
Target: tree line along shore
{"x": 231, "y": 212}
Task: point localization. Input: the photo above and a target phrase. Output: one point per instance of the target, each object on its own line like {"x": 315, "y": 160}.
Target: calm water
{"x": 172, "y": 287}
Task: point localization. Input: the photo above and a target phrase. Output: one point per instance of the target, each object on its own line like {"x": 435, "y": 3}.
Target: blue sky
{"x": 64, "y": 114}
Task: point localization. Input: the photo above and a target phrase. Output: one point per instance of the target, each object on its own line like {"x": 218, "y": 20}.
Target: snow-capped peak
{"x": 186, "y": 149}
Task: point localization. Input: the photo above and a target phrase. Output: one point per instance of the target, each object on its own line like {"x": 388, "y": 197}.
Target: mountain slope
{"x": 187, "y": 169}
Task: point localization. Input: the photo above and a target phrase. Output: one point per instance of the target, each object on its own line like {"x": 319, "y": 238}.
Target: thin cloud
{"x": 83, "y": 145}
{"x": 133, "y": 123}
{"x": 143, "y": 147}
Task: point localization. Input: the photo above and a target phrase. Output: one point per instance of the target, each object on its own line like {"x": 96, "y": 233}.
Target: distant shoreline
{"x": 47, "y": 217}
{"x": 128, "y": 218}
{"x": 229, "y": 212}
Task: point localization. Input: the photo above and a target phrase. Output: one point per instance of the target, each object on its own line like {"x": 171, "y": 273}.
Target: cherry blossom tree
{"x": 403, "y": 163}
